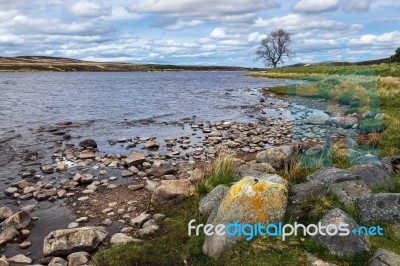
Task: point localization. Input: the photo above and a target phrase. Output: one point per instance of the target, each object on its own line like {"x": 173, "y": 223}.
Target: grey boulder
{"x": 348, "y": 245}
{"x": 383, "y": 257}
{"x": 374, "y": 176}
{"x": 383, "y": 207}
{"x": 67, "y": 241}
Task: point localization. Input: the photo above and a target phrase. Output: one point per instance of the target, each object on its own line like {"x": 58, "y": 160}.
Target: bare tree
{"x": 274, "y": 47}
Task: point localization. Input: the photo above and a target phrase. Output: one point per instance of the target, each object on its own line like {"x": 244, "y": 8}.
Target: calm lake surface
{"x": 108, "y": 106}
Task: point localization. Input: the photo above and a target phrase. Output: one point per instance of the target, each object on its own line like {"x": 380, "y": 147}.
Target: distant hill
{"x": 334, "y": 63}
{"x": 58, "y": 64}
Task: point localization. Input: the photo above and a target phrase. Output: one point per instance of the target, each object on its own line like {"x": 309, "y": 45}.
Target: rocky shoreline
{"x": 116, "y": 191}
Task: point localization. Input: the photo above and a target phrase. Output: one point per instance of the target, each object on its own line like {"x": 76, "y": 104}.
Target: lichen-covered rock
{"x": 64, "y": 242}
{"x": 212, "y": 199}
{"x": 332, "y": 175}
{"x": 379, "y": 207}
{"x": 349, "y": 245}
{"x": 383, "y": 257}
{"x": 251, "y": 200}
{"x": 171, "y": 191}
{"x": 278, "y": 157}
{"x": 374, "y": 176}
{"x": 349, "y": 191}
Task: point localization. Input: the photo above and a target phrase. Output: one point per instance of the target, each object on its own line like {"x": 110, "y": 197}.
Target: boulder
{"x": 383, "y": 207}
{"x": 67, "y": 241}
{"x": 4, "y": 261}
{"x": 31, "y": 156}
{"x": 141, "y": 219}
{"x": 264, "y": 168}
{"x": 318, "y": 118}
{"x": 135, "y": 159}
{"x": 303, "y": 191}
{"x": 349, "y": 191}
{"x": 57, "y": 261}
{"x": 20, "y": 259}
{"x": 212, "y": 199}
{"x": 5, "y": 212}
{"x": 8, "y": 235}
{"x": 78, "y": 258}
{"x": 332, "y": 175}
{"x": 251, "y": 200}
{"x": 374, "y": 176}
{"x": 120, "y": 238}
{"x": 88, "y": 143}
{"x": 86, "y": 154}
{"x": 171, "y": 191}
{"x": 278, "y": 157}
{"x": 166, "y": 169}
{"x": 47, "y": 168}
{"x": 383, "y": 257}
{"x": 18, "y": 221}
{"x": 149, "y": 230}
{"x": 346, "y": 122}
{"x": 391, "y": 164}
{"x": 151, "y": 144}
{"x": 348, "y": 245}
{"x": 366, "y": 159}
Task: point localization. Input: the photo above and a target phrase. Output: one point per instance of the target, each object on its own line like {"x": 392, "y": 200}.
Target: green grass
{"x": 311, "y": 72}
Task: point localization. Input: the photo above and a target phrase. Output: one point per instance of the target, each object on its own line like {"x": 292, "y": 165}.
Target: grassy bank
{"x": 310, "y": 72}
{"x": 172, "y": 245}
{"x": 359, "y": 88}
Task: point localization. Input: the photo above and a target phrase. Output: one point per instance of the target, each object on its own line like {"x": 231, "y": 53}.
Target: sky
{"x": 198, "y": 32}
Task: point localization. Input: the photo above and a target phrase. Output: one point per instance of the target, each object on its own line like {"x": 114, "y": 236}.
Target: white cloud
{"x": 180, "y": 24}
{"x": 300, "y": 23}
{"x": 200, "y": 7}
{"x": 88, "y": 9}
{"x": 316, "y": 6}
{"x": 357, "y": 5}
{"x": 255, "y": 37}
{"x": 391, "y": 38}
{"x": 218, "y": 33}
